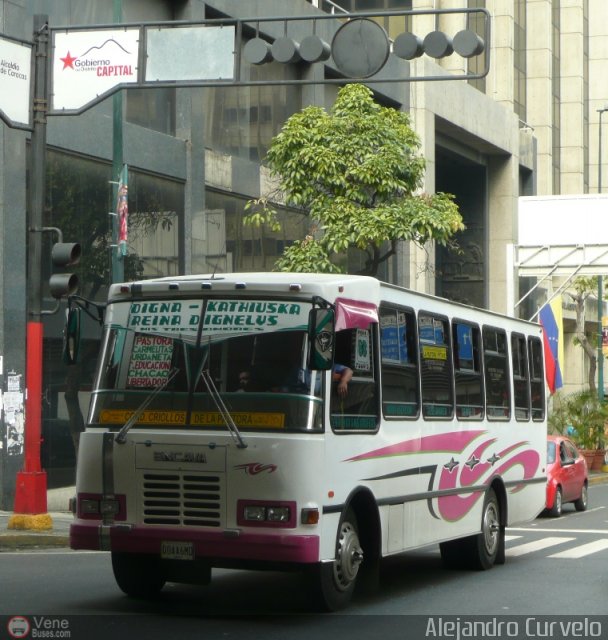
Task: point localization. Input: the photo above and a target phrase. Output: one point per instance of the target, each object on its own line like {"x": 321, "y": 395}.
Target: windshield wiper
{"x": 121, "y": 436}
{"x": 221, "y": 407}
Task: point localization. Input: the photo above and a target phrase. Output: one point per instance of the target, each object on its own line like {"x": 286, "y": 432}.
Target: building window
{"x": 79, "y": 197}
{"x": 152, "y": 108}
{"x": 230, "y": 245}
{"x": 241, "y": 121}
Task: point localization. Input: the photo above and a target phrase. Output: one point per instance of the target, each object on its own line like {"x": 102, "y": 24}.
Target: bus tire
{"x": 337, "y": 579}
{"x": 485, "y": 546}
{"x": 483, "y": 550}
{"x": 137, "y": 574}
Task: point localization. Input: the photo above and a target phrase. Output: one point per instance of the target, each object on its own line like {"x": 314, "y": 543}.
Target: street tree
{"x": 357, "y": 172}
{"x": 583, "y": 288}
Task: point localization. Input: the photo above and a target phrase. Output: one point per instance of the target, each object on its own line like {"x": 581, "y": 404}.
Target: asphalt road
{"x": 556, "y": 570}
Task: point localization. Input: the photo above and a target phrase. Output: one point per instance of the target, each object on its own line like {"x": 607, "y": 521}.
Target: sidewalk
{"x": 59, "y": 535}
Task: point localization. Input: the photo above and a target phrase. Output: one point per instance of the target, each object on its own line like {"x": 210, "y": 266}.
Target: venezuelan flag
{"x": 553, "y": 341}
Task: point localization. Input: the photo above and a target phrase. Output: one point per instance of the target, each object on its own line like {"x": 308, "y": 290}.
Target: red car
{"x": 567, "y": 477}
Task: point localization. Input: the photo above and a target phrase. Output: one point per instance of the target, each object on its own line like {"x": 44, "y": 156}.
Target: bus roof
{"x": 327, "y": 285}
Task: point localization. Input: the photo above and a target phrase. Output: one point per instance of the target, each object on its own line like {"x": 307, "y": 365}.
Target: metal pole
{"x": 30, "y": 490}
{"x": 600, "y": 280}
{"x": 117, "y": 261}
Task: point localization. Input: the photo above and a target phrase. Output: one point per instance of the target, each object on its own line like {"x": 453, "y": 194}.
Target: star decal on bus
{"x": 493, "y": 459}
{"x": 472, "y": 462}
{"x": 451, "y": 465}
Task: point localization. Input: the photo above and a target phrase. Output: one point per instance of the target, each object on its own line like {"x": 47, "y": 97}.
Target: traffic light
{"x": 64, "y": 254}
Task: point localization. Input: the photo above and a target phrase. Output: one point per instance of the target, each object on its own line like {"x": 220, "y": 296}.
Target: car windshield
{"x": 259, "y": 375}
{"x": 551, "y": 449}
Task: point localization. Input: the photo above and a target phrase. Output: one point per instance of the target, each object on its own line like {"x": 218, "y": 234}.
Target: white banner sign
{"x": 15, "y": 80}
{"x": 190, "y": 53}
{"x": 86, "y": 64}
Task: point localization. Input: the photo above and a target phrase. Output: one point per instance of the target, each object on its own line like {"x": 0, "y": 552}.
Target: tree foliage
{"x": 357, "y": 172}
{"x": 583, "y": 287}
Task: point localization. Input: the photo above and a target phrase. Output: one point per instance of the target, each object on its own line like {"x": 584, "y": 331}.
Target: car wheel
{"x": 581, "y": 503}
{"x": 337, "y": 579}
{"x": 556, "y": 509}
{"x": 137, "y": 574}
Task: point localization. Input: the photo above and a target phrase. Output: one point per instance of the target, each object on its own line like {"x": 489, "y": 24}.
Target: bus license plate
{"x": 173, "y": 550}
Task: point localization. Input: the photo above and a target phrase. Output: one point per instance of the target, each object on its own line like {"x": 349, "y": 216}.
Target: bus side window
{"x": 537, "y": 378}
{"x": 521, "y": 377}
{"x": 435, "y": 366}
{"x": 357, "y": 410}
{"x": 466, "y": 339}
{"x": 496, "y": 369}
{"x": 399, "y": 360}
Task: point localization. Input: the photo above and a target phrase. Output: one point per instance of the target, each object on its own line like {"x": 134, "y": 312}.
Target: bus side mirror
{"x": 71, "y": 335}
{"x": 321, "y": 338}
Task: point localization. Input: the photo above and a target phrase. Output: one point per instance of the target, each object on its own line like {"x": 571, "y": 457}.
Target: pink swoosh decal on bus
{"x": 454, "y": 507}
{"x": 455, "y": 442}
{"x": 471, "y": 470}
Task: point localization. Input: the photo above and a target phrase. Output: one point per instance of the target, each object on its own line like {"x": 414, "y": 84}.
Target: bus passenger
{"x": 244, "y": 381}
{"x": 341, "y": 374}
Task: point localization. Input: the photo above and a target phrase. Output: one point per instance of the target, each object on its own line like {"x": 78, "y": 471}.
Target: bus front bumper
{"x": 228, "y": 544}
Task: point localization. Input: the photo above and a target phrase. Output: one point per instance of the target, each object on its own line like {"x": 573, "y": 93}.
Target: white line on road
{"x": 536, "y": 545}
{"x": 583, "y": 549}
{"x": 600, "y": 531}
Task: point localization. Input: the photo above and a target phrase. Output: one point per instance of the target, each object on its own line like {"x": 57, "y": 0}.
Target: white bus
{"x": 439, "y": 437}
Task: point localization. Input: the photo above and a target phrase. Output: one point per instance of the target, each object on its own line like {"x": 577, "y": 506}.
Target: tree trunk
{"x": 588, "y": 348}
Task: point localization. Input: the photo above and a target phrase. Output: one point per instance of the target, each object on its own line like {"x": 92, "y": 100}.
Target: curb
{"x": 11, "y": 542}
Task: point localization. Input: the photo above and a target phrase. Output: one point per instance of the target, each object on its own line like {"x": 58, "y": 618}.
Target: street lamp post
{"x": 600, "y": 280}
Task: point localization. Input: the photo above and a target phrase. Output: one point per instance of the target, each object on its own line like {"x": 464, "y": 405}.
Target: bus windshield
{"x": 166, "y": 354}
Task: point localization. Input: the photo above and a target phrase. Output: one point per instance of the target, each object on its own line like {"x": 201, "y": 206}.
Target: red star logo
{"x": 68, "y": 61}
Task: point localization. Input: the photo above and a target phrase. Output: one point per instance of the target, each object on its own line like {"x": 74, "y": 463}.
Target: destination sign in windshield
{"x": 221, "y": 316}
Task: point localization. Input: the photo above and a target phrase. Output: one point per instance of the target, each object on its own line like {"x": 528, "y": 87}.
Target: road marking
{"x": 509, "y": 538}
{"x": 600, "y": 531}
{"x": 536, "y": 545}
{"x": 583, "y": 550}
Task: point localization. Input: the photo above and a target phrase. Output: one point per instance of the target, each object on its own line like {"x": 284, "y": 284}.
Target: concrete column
{"x": 499, "y": 83}
{"x": 598, "y": 89}
{"x": 503, "y": 172}
{"x": 540, "y": 89}
{"x": 574, "y": 123}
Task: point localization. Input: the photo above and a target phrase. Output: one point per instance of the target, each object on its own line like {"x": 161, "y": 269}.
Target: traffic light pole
{"x": 31, "y": 487}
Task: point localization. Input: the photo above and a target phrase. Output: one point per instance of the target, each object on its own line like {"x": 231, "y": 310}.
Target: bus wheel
{"x": 137, "y": 574}
{"x": 338, "y": 579}
{"x": 485, "y": 546}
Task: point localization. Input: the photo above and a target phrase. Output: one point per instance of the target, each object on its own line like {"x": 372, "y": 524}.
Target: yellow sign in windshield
{"x": 198, "y": 418}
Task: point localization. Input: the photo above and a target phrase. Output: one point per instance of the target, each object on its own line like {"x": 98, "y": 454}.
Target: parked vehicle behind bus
{"x": 216, "y": 436}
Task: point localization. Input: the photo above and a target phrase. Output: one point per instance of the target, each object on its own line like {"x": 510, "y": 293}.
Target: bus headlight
{"x": 268, "y": 514}
{"x": 254, "y": 513}
{"x": 278, "y": 514}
